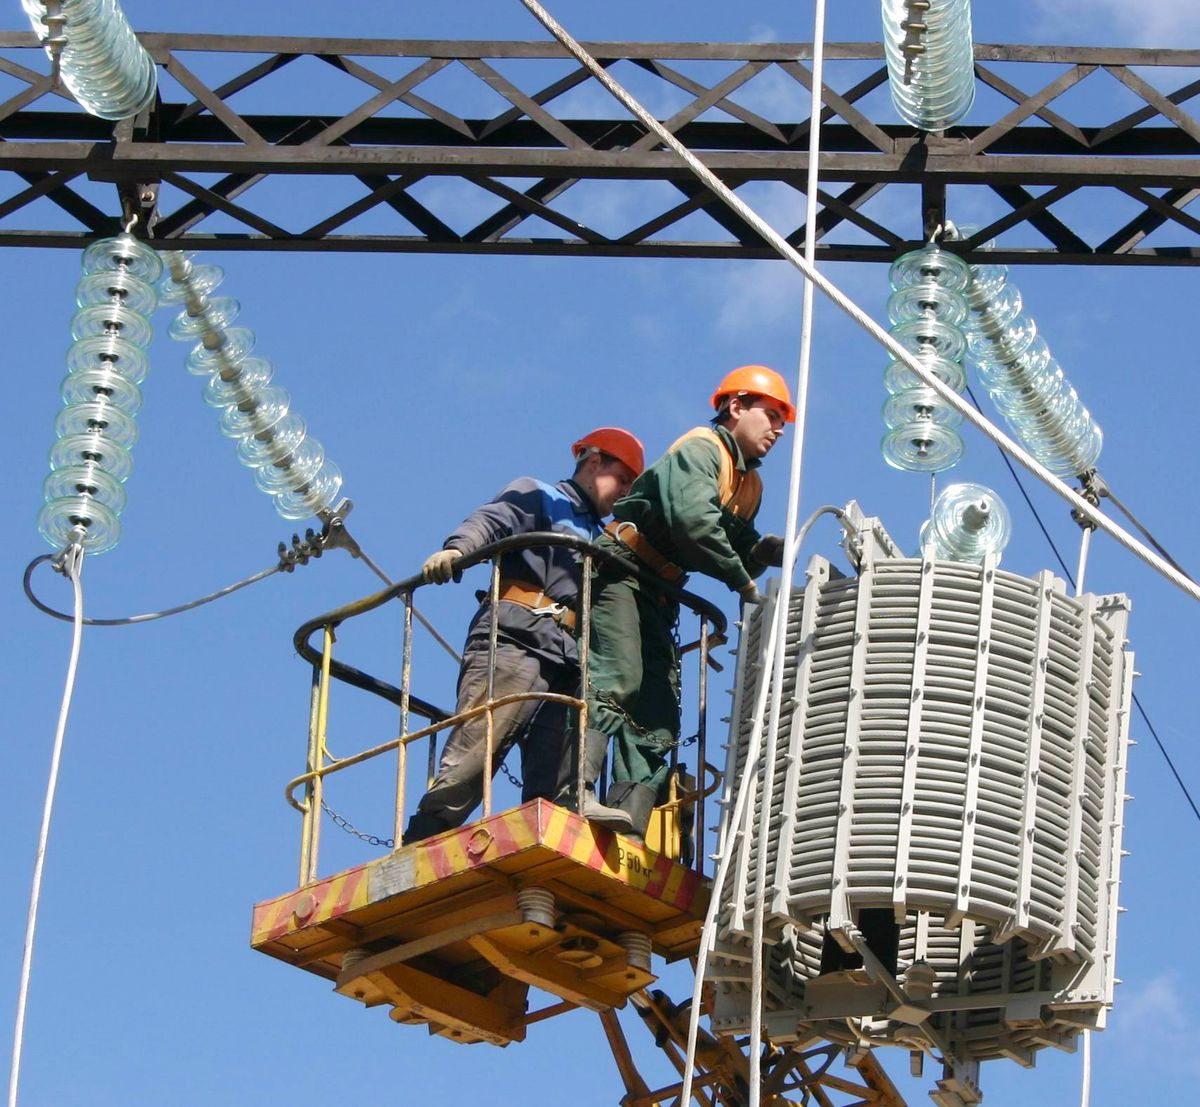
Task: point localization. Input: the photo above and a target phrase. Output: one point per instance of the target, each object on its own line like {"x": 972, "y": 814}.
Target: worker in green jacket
{"x": 692, "y": 511}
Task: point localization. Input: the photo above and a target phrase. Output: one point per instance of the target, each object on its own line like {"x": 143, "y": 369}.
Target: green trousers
{"x": 633, "y": 669}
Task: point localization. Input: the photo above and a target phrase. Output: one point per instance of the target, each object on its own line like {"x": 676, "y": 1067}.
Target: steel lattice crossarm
{"x": 1086, "y": 155}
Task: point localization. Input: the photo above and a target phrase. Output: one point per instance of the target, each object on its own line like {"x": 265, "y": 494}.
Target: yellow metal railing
{"x": 320, "y": 765}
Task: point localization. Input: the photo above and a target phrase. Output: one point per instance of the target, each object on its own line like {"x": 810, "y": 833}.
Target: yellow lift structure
{"x": 453, "y": 931}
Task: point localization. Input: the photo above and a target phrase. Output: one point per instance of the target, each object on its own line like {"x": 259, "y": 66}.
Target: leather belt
{"x": 515, "y": 592}
{"x": 629, "y": 536}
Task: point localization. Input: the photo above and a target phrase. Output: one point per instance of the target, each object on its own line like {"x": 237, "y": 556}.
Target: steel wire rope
{"x": 784, "y": 594}
{"x": 736, "y": 820}
{"x": 842, "y": 301}
{"x": 72, "y": 564}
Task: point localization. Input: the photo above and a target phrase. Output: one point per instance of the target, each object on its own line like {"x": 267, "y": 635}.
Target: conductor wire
{"x": 72, "y": 566}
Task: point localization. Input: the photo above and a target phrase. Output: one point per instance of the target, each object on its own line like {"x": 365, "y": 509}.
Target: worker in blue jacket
{"x": 535, "y": 629}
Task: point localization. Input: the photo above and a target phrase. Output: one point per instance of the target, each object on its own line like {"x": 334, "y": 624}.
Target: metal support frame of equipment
{"x": 517, "y": 157}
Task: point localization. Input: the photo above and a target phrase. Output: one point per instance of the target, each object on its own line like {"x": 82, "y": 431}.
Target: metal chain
{"x": 606, "y": 698}
{"x": 350, "y": 828}
{"x": 514, "y": 781}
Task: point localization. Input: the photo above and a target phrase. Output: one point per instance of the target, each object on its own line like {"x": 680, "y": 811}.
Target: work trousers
{"x": 538, "y": 726}
{"x": 633, "y": 676}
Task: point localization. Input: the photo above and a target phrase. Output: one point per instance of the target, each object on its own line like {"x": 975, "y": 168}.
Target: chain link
{"x": 350, "y": 828}
{"x": 607, "y": 699}
{"x": 514, "y": 781}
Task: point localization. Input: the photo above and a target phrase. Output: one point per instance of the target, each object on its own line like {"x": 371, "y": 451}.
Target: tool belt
{"x": 629, "y": 536}
{"x": 514, "y": 591}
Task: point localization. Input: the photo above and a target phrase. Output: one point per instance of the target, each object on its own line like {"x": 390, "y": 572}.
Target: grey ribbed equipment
{"x": 950, "y": 777}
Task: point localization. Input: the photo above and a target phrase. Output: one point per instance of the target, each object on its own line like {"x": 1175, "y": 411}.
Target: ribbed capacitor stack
{"x": 948, "y": 789}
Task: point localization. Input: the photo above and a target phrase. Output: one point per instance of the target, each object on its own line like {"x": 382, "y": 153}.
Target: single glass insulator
{"x": 87, "y": 479}
{"x": 58, "y": 518}
{"x": 1001, "y": 308}
{"x": 201, "y": 280}
{"x": 1003, "y": 343}
{"x": 897, "y": 376}
{"x": 101, "y": 383}
{"x": 922, "y": 447}
{"x": 108, "y": 351}
{"x": 102, "y": 320}
{"x": 97, "y": 417}
{"x": 915, "y": 404}
{"x": 930, "y": 336}
{"x": 301, "y": 465}
{"x": 124, "y": 252}
{"x": 930, "y": 264}
{"x": 238, "y": 342}
{"x": 252, "y": 375}
{"x": 117, "y": 286}
{"x": 219, "y": 312}
{"x": 92, "y": 449}
{"x": 258, "y": 415}
{"x": 968, "y": 522}
{"x": 321, "y": 495}
{"x": 276, "y": 444}
{"x": 927, "y": 301}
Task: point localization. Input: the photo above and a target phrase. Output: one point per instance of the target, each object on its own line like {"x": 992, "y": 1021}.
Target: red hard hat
{"x": 757, "y": 380}
{"x": 616, "y": 443}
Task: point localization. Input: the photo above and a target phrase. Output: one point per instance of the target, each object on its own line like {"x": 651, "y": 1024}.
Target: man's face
{"x": 606, "y": 480}
{"x": 756, "y": 423}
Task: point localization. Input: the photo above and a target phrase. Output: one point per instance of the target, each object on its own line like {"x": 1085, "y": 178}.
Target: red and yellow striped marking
{"x": 534, "y": 824}
{"x": 327, "y": 899}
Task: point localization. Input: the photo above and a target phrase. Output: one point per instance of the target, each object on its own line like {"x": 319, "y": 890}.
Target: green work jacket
{"x": 676, "y": 505}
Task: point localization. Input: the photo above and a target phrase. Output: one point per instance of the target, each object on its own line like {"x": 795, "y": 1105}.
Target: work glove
{"x": 439, "y": 567}
{"x": 768, "y": 550}
{"x": 750, "y": 593}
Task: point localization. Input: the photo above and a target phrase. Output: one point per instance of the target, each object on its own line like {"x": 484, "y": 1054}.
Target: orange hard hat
{"x": 757, "y": 380}
{"x": 615, "y": 442}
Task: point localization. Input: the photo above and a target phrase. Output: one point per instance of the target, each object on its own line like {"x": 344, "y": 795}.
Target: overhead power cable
{"x": 146, "y": 617}
{"x": 72, "y": 566}
{"x": 1105, "y": 491}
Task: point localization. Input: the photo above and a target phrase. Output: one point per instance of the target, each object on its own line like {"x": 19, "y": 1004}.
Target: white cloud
{"x": 1161, "y": 23}
{"x": 1158, "y": 1003}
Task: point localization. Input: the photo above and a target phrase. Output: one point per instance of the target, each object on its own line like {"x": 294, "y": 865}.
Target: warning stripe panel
{"x": 538, "y": 823}
{"x": 327, "y": 899}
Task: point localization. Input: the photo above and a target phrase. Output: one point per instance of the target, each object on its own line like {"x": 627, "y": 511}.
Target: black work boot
{"x": 422, "y": 826}
{"x": 638, "y": 801}
{"x": 594, "y": 750}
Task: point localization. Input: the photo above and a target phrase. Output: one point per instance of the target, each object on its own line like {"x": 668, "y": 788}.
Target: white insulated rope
{"x": 73, "y": 567}
{"x": 787, "y": 251}
{"x": 784, "y": 595}
{"x": 738, "y": 817}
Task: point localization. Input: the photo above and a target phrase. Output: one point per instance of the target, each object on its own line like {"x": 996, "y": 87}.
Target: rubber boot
{"x": 422, "y": 826}
{"x": 638, "y": 801}
{"x": 594, "y": 750}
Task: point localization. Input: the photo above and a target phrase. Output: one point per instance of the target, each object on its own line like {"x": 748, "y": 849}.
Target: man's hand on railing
{"x": 439, "y": 567}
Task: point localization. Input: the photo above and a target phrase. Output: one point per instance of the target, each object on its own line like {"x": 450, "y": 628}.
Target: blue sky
{"x": 432, "y": 381}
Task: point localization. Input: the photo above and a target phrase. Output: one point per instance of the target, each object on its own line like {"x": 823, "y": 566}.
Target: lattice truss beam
{"x": 821, "y": 1076}
{"x": 1082, "y": 155}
